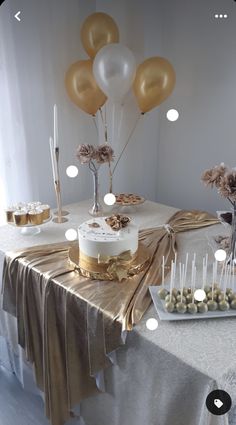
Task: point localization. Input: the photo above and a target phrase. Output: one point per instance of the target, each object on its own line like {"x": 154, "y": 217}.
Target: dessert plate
{"x": 129, "y": 199}
{"x": 164, "y": 315}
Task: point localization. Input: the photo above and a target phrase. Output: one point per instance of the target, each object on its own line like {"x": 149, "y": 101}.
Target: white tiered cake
{"x": 96, "y": 238}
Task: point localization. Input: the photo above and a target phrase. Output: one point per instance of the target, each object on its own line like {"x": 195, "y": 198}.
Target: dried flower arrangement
{"x": 224, "y": 179}
{"x": 88, "y": 154}
{"x": 94, "y": 157}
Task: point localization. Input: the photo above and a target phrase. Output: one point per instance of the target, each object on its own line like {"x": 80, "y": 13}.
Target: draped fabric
{"x": 68, "y": 323}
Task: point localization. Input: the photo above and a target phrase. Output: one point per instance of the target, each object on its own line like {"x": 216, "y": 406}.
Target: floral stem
{"x": 111, "y": 177}
{"x": 92, "y": 166}
{"x": 232, "y": 203}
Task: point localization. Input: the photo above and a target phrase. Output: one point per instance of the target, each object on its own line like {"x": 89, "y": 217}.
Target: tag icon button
{"x": 218, "y": 403}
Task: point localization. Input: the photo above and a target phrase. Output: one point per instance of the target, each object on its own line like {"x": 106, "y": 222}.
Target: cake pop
{"x": 163, "y": 291}
{"x": 181, "y": 306}
{"x": 170, "y": 306}
{"x": 170, "y": 299}
{"x": 212, "y": 296}
{"x": 202, "y": 307}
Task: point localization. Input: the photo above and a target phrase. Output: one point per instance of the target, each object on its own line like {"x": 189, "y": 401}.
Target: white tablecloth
{"x": 162, "y": 377}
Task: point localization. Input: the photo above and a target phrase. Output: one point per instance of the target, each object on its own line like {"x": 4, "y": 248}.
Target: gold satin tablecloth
{"x": 67, "y": 324}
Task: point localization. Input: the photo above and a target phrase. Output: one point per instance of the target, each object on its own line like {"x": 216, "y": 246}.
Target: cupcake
{"x": 46, "y": 211}
{"x": 35, "y": 216}
{"x": 9, "y": 214}
{"x": 20, "y": 218}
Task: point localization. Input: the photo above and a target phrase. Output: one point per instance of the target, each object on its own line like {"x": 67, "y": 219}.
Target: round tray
{"x": 129, "y": 199}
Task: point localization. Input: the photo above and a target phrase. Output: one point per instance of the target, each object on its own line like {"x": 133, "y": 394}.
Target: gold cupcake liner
{"x": 36, "y": 219}
{"x": 9, "y": 216}
{"x": 20, "y": 219}
{"x": 46, "y": 214}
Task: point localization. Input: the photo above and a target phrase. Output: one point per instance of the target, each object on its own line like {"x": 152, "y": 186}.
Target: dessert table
{"x": 161, "y": 377}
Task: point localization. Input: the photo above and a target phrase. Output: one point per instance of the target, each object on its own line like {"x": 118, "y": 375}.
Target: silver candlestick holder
{"x": 60, "y": 214}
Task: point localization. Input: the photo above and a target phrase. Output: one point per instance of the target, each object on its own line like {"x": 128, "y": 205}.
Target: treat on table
{"x": 106, "y": 241}
{"x": 9, "y": 214}
{"x": 35, "y": 217}
{"x": 117, "y": 221}
{"x": 30, "y": 213}
{"x": 223, "y": 241}
{"x": 219, "y": 296}
{"x": 227, "y": 217}
{"x": 20, "y": 217}
{"x": 46, "y": 211}
{"x": 128, "y": 198}
{"x": 107, "y": 254}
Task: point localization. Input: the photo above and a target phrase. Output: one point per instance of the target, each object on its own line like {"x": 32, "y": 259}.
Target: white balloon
{"x": 114, "y": 70}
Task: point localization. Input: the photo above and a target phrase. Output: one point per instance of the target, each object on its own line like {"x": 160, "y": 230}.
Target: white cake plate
{"x": 31, "y": 229}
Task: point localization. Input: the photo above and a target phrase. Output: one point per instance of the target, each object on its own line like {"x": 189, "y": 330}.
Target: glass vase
{"x": 233, "y": 233}
{"x": 96, "y": 209}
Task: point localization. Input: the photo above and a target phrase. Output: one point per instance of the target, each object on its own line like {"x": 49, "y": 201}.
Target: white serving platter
{"x": 164, "y": 315}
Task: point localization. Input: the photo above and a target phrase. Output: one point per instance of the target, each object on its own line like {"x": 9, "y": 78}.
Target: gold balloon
{"x": 98, "y": 30}
{"x": 154, "y": 82}
{"x": 82, "y": 87}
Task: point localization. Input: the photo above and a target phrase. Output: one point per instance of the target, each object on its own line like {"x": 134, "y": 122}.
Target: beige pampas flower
{"x": 85, "y": 153}
{"x": 104, "y": 154}
{"x": 213, "y": 176}
{"x": 227, "y": 186}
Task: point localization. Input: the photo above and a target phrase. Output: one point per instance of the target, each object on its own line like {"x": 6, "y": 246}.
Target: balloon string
{"x": 121, "y": 120}
{"x": 104, "y": 125}
{"x": 131, "y": 134}
{"x": 95, "y": 123}
{"x": 113, "y": 123}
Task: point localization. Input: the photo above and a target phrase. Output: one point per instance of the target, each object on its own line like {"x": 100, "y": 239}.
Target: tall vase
{"x": 96, "y": 209}
{"x": 233, "y": 233}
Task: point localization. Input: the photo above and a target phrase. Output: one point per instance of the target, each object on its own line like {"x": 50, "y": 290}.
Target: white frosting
{"x": 105, "y": 241}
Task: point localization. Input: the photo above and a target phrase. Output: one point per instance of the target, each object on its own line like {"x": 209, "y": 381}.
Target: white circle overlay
{"x": 199, "y": 294}
{"x": 220, "y": 255}
{"x": 152, "y": 324}
{"x": 109, "y": 199}
{"x": 71, "y": 234}
{"x": 172, "y": 115}
{"x": 72, "y": 171}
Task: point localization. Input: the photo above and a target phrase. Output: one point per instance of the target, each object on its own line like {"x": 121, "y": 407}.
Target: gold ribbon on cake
{"x": 108, "y": 267}
{"x": 117, "y": 265}
{"x": 67, "y": 323}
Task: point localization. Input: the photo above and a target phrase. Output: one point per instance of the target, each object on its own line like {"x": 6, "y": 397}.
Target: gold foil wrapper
{"x": 9, "y": 215}
{"x": 20, "y": 219}
{"x": 36, "y": 217}
{"x": 46, "y": 211}
{"x": 112, "y": 269}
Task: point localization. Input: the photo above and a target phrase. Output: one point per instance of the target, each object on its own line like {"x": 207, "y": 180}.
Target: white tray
{"x": 164, "y": 315}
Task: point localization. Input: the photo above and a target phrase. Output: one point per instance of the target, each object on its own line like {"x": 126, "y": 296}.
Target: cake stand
{"x": 31, "y": 229}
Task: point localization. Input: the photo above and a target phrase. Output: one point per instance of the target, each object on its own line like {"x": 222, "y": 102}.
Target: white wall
{"x": 164, "y": 160}
{"x": 203, "y": 52}
{"x": 46, "y": 42}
